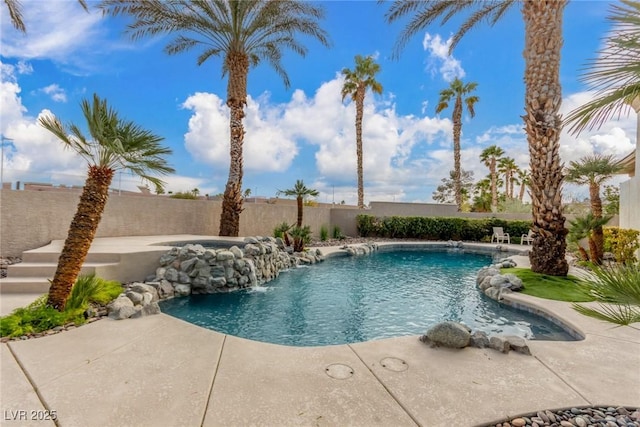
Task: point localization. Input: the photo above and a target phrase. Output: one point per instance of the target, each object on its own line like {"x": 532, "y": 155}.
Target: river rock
{"x": 448, "y": 334}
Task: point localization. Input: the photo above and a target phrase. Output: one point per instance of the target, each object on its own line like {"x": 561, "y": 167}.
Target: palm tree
{"x": 15, "y": 13}
{"x": 543, "y": 96}
{"x": 356, "y": 83}
{"x": 458, "y": 90}
{"x": 507, "y": 167}
{"x": 115, "y": 144}
{"x": 482, "y": 196}
{"x": 593, "y": 171}
{"x": 614, "y": 74}
{"x": 524, "y": 179}
{"x": 299, "y": 191}
{"x": 489, "y": 157}
{"x": 243, "y": 33}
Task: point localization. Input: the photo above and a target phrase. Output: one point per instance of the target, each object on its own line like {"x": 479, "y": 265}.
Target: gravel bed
{"x": 600, "y": 416}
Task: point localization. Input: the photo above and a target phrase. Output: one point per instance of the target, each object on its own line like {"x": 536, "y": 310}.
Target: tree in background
{"x": 524, "y": 178}
{"x": 356, "y": 83}
{"x": 458, "y": 91}
{"x": 446, "y": 192}
{"x": 543, "y": 96}
{"x": 489, "y": 157}
{"x": 612, "y": 198}
{"x": 115, "y": 144}
{"x": 508, "y": 168}
{"x": 594, "y": 170}
{"x": 300, "y": 192}
{"x": 244, "y": 33}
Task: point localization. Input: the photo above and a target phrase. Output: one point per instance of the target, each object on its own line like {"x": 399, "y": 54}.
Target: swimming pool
{"x": 354, "y": 299}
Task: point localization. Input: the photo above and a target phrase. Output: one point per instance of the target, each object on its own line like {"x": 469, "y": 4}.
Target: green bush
{"x": 623, "y": 243}
{"x": 337, "y": 233}
{"x": 189, "y": 195}
{"x": 280, "y": 229}
{"x": 37, "y": 317}
{"x": 324, "y": 233}
{"x": 438, "y": 228}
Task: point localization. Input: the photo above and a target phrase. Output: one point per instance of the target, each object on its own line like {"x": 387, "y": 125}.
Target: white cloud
{"x": 58, "y": 30}
{"x": 24, "y": 67}
{"x": 266, "y": 146}
{"x": 439, "y": 58}
{"x": 56, "y": 93}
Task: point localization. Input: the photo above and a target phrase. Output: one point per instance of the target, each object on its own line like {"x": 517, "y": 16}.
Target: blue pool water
{"x": 354, "y": 299}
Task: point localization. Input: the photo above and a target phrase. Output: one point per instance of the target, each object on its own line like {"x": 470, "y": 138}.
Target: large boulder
{"x": 448, "y": 334}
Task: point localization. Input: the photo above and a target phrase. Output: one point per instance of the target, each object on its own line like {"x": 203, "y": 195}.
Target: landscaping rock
{"x": 479, "y": 339}
{"x": 449, "y": 334}
{"x": 499, "y": 343}
{"x": 519, "y": 345}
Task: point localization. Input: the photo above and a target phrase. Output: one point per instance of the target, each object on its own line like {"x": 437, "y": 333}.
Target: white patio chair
{"x": 528, "y": 238}
{"x": 500, "y": 236}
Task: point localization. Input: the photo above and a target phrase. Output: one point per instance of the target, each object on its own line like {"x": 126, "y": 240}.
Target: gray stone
{"x": 188, "y": 265}
{"x": 493, "y": 293}
{"x": 121, "y": 308}
{"x": 252, "y": 250}
{"x": 165, "y": 290}
{"x": 479, "y": 339}
{"x": 449, "y": 334}
{"x": 515, "y": 282}
{"x": 498, "y": 280}
{"x": 486, "y": 283}
{"x": 183, "y": 277}
{"x": 167, "y": 259}
{"x": 251, "y": 240}
{"x": 218, "y": 282}
{"x": 517, "y": 344}
{"x": 171, "y": 274}
{"x": 182, "y": 289}
{"x": 236, "y": 251}
{"x": 135, "y": 297}
{"x": 160, "y": 271}
{"x": 224, "y": 255}
{"x": 145, "y": 287}
{"x": 147, "y": 310}
{"x": 499, "y": 343}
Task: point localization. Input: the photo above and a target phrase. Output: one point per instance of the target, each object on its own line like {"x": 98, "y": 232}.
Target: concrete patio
{"x": 161, "y": 371}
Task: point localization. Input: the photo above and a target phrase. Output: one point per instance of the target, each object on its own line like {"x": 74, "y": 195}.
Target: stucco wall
{"x": 630, "y": 203}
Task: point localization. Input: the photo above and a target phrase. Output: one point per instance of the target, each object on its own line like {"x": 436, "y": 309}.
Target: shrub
{"x": 623, "y": 243}
{"x": 280, "y": 230}
{"x": 184, "y": 195}
{"x": 437, "y": 228}
{"x": 337, "y": 233}
{"x": 37, "y": 317}
{"x": 324, "y": 233}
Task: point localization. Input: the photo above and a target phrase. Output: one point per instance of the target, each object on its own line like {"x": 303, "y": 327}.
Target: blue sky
{"x": 304, "y": 132}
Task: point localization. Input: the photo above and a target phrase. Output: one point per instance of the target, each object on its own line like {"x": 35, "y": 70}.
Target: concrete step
{"x": 24, "y": 285}
{"x": 11, "y": 301}
{"x": 52, "y": 257}
{"x": 48, "y": 269}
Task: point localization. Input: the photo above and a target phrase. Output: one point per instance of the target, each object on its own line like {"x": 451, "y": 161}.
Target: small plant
{"x": 280, "y": 230}
{"x": 189, "y": 195}
{"x": 324, "y": 233}
{"x": 337, "y": 233}
{"x": 617, "y": 289}
{"x": 38, "y": 317}
{"x": 622, "y": 242}
{"x": 301, "y": 236}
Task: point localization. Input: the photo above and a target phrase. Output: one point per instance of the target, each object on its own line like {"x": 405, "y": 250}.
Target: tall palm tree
{"x": 614, "y": 74}
{"x": 507, "y": 167}
{"x": 115, "y": 144}
{"x": 458, "y": 90}
{"x": 356, "y": 83}
{"x": 543, "y": 95}
{"x": 524, "y": 179}
{"x": 489, "y": 157}
{"x": 299, "y": 191}
{"x": 15, "y": 13}
{"x": 593, "y": 171}
{"x": 243, "y": 33}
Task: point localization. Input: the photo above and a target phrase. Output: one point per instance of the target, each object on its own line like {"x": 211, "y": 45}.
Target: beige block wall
{"x": 630, "y": 203}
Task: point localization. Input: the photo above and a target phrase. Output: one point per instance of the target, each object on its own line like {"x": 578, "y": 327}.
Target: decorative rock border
{"x": 457, "y": 335}
{"x": 194, "y": 269}
{"x": 494, "y": 284}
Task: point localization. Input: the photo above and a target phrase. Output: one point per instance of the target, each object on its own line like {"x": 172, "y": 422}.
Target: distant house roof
{"x": 628, "y": 163}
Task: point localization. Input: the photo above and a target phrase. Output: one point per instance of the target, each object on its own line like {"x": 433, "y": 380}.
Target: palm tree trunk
{"x": 238, "y": 66}
{"x": 300, "y": 207}
{"x": 523, "y": 186}
{"x": 494, "y": 189}
{"x": 360, "y": 92}
{"x": 457, "y": 130}
{"x": 543, "y": 24}
{"x": 598, "y": 233}
{"x": 81, "y": 233}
